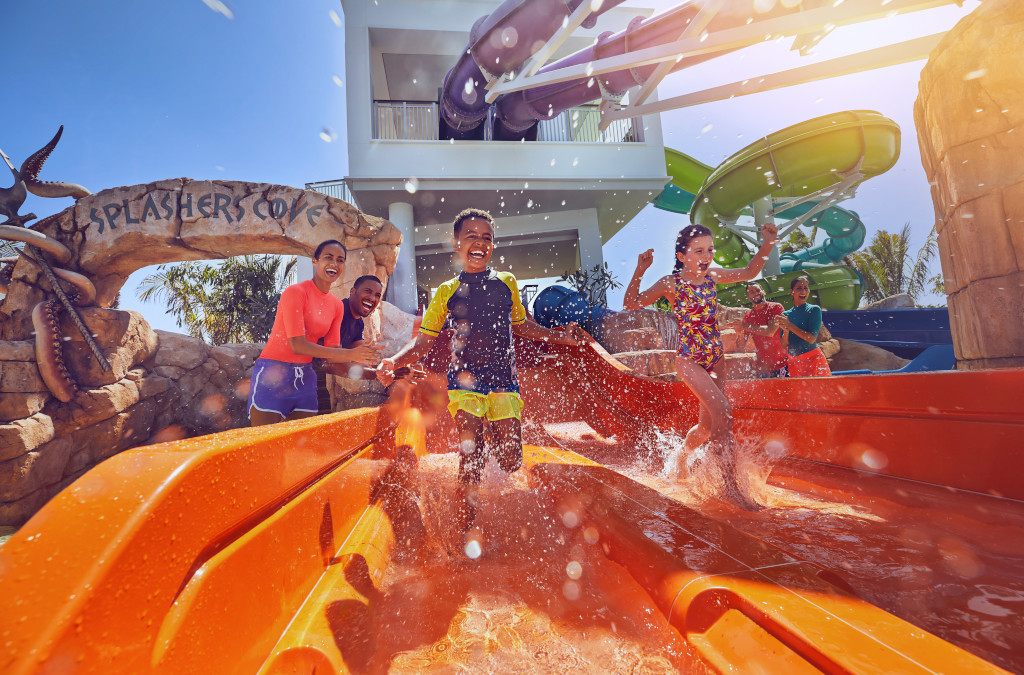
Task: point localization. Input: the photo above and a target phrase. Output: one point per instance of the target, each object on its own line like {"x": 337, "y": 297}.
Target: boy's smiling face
{"x": 474, "y": 244}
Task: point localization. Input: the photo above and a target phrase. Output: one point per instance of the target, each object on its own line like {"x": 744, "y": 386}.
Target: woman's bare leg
{"x": 259, "y": 418}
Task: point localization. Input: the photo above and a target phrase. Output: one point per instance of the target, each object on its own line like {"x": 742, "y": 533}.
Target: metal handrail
{"x": 418, "y": 121}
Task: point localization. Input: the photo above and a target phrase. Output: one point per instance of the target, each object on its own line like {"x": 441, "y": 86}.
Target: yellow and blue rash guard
{"x": 484, "y": 306}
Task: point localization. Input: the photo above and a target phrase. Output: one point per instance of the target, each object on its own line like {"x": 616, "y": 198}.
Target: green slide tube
{"x": 687, "y": 175}
{"x": 846, "y": 234}
{"x": 832, "y": 287}
{"x": 793, "y": 162}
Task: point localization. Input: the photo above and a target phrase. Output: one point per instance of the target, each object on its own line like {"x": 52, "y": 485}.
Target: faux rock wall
{"x": 970, "y": 125}
{"x": 163, "y": 387}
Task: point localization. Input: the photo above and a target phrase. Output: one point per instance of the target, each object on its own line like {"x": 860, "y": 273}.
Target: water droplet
{"x": 510, "y": 37}
{"x": 473, "y": 549}
{"x": 219, "y": 7}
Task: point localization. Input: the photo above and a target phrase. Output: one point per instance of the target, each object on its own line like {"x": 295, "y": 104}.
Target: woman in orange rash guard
{"x": 283, "y": 385}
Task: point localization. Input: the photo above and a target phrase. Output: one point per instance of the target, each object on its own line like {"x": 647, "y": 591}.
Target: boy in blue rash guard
{"x": 483, "y": 388}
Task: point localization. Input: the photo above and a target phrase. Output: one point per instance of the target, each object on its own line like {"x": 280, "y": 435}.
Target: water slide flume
{"x": 500, "y": 42}
{"x": 263, "y": 550}
{"x": 795, "y": 162}
{"x": 503, "y": 41}
{"x": 832, "y": 152}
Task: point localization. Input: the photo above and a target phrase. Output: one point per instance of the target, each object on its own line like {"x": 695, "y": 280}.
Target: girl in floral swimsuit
{"x": 695, "y": 310}
{"x": 691, "y": 291}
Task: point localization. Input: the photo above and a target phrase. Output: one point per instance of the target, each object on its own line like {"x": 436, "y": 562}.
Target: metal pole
{"x": 82, "y": 328}
{"x": 762, "y": 215}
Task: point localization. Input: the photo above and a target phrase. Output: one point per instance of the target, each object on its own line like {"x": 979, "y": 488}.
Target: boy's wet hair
{"x": 466, "y": 214}
{"x": 366, "y": 277}
{"x": 686, "y": 235}
{"x": 793, "y": 282}
{"x": 325, "y": 244}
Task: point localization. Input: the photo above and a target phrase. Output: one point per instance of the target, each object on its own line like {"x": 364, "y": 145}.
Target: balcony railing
{"x": 417, "y": 121}
{"x": 334, "y": 188}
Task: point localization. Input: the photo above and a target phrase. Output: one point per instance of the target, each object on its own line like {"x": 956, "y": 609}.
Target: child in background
{"x": 801, "y": 326}
{"x": 483, "y": 389}
{"x": 691, "y": 291}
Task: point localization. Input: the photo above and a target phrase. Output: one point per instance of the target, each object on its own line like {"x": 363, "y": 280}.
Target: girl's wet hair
{"x": 795, "y": 281}
{"x": 325, "y": 244}
{"x": 686, "y": 235}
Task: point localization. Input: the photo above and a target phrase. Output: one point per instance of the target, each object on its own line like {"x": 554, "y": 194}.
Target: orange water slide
{"x": 270, "y": 550}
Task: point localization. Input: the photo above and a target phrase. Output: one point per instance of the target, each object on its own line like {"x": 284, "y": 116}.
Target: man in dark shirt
{"x": 360, "y": 303}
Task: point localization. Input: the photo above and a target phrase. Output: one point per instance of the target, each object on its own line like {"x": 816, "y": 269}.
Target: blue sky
{"x": 153, "y": 90}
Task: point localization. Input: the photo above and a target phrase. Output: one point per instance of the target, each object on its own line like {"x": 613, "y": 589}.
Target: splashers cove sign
{"x": 109, "y": 213}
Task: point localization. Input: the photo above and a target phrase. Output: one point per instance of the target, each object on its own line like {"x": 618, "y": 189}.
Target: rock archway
{"x": 118, "y": 231}
{"x": 160, "y": 385}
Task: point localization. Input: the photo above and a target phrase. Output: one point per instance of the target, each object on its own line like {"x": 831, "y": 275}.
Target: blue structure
{"x": 904, "y": 332}
{"x": 559, "y": 306}
{"x": 936, "y": 357}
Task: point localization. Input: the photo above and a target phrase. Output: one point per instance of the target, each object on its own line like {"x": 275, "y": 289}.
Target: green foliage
{"x": 594, "y": 283}
{"x": 797, "y": 241}
{"x": 8, "y": 249}
{"x": 888, "y": 268}
{"x": 234, "y": 301}
{"x": 663, "y": 305}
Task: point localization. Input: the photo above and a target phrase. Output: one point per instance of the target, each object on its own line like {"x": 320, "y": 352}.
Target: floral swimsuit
{"x": 695, "y": 308}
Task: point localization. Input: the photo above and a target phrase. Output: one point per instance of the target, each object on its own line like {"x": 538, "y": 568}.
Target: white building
{"x": 556, "y": 201}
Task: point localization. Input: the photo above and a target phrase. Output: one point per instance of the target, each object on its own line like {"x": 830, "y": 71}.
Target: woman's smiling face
{"x": 800, "y": 292}
{"x": 329, "y": 267}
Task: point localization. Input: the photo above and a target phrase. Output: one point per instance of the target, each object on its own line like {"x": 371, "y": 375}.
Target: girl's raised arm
{"x": 634, "y": 299}
{"x": 769, "y": 237}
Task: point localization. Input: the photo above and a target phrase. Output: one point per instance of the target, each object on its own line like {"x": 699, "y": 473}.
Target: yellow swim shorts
{"x": 498, "y": 405}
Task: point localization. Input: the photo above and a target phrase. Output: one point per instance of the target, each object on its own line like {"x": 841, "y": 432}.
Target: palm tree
{"x": 887, "y": 268}
{"x": 8, "y": 249}
{"x": 233, "y": 301}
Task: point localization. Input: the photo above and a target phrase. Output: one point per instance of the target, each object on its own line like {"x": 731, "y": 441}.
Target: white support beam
{"x": 695, "y": 27}
{"x": 891, "y": 55}
{"x": 850, "y": 12}
{"x": 834, "y": 194}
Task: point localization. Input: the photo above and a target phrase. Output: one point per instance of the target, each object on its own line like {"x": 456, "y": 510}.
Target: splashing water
{"x": 539, "y": 597}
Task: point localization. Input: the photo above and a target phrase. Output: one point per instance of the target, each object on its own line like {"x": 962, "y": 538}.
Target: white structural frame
{"x": 890, "y": 55}
{"x": 796, "y": 24}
